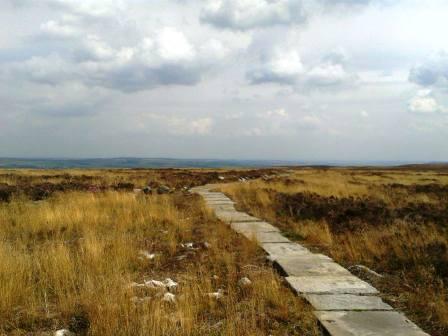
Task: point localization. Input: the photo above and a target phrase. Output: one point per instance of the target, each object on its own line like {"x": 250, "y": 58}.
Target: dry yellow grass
{"x": 68, "y": 261}
{"x": 412, "y": 255}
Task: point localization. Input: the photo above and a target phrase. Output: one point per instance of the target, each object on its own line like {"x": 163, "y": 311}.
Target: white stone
{"x": 244, "y": 282}
{"x": 169, "y": 297}
{"x": 63, "y": 332}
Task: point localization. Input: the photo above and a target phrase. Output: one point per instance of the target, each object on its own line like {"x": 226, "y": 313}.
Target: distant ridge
{"x": 50, "y": 163}
{"x": 133, "y": 162}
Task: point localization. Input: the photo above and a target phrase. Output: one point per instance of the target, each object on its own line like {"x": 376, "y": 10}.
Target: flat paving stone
{"x": 269, "y": 237}
{"x": 276, "y": 250}
{"x": 250, "y": 227}
{"x": 220, "y": 201}
{"x": 346, "y": 302}
{"x": 330, "y": 284}
{"x": 310, "y": 265}
{"x": 368, "y": 323}
{"x": 235, "y": 216}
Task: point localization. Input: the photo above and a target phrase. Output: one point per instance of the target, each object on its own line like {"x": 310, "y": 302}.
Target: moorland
{"x": 132, "y": 252}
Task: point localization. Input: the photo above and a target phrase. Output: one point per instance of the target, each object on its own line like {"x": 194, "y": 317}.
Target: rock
{"x": 217, "y": 295}
{"x": 170, "y": 284}
{"x": 137, "y": 191}
{"x": 244, "y": 282}
{"x": 147, "y": 255}
{"x": 221, "y": 178}
{"x": 163, "y": 189}
{"x": 147, "y": 190}
{"x": 169, "y": 297}
{"x": 64, "y": 332}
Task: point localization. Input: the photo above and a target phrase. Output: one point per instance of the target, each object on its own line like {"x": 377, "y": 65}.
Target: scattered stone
{"x": 221, "y": 178}
{"x": 169, "y": 297}
{"x": 163, "y": 189}
{"x": 147, "y": 255}
{"x": 244, "y": 282}
{"x": 147, "y": 190}
{"x": 217, "y": 295}
{"x": 64, "y": 332}
{"x": 138, "y": 191}
{"x": 168, "y": 284}
{"x": 181, "y": 257}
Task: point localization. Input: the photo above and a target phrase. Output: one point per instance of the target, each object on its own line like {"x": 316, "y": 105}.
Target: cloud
{"x": 252, "y": 14}
{"x": 249, "y": 14}
{"x": 432, "y": 72}
{"x": 425, "y": 103}
{"x": 95, "y": 9}
{"x": 364, "y": 114}
{"x": 284, "y": 66}
{"x": 152, "y": 62}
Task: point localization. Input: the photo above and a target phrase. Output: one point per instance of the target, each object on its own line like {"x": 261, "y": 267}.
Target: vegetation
{"x": 393, "y": 221}
{"x": 72, "y": 259}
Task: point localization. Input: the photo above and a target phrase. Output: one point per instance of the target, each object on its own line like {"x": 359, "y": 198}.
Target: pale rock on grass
{"x": 169, "y": 297}
{"x": 63, "y": 332}
{"x": 217, "y": 295}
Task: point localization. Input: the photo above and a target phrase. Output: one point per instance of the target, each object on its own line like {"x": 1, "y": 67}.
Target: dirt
{"x": 355, "y": 213}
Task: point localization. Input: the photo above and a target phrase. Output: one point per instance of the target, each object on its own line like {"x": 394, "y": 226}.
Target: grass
{"x": 68, "y": 262}
{"x": 392, "y": 221}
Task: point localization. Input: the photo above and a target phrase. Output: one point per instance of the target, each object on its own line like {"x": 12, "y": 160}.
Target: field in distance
{"x": 82, "y": 250}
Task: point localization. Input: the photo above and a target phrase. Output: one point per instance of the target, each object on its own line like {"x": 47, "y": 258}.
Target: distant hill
{"x": 51, "y": 163}
{"x": 136, "y": 163}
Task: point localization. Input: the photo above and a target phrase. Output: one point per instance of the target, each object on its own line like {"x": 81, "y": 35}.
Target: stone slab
{"x": 369, "y": 323}
{"x": 220, "y": 201}
{"x": 330, "y": 284}
{"x": 269, "y": 237}
{"x": 250, "y": 227}
{"x": 346, "y": 302}
{"x": 235, "y": 216}
{"x": 310, "y": 265}
{"x": 276, "y": 250}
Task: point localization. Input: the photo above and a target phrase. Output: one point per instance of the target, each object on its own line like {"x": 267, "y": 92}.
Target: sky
{"x": 362, "y": 80}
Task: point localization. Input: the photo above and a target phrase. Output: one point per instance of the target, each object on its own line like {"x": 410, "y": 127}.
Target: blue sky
{"x": 272, "y": 79}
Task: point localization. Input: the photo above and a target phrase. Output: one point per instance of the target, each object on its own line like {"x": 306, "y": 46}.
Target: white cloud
{"x": 284, "y": 66}
{"x": 425, "y": 103}
{"x": 249, "y": 14}
{"x": 364, "y": 114}
{"x": 166, "y": 57}
{"x": 329, "y": 74}
{"x": 56, "y": 29}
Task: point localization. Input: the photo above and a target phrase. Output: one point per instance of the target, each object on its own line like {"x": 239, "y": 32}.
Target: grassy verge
{"x": 394, "y": 222}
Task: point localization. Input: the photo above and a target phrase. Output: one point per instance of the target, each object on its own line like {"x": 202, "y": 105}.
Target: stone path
{"x": 344, "y": 304}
